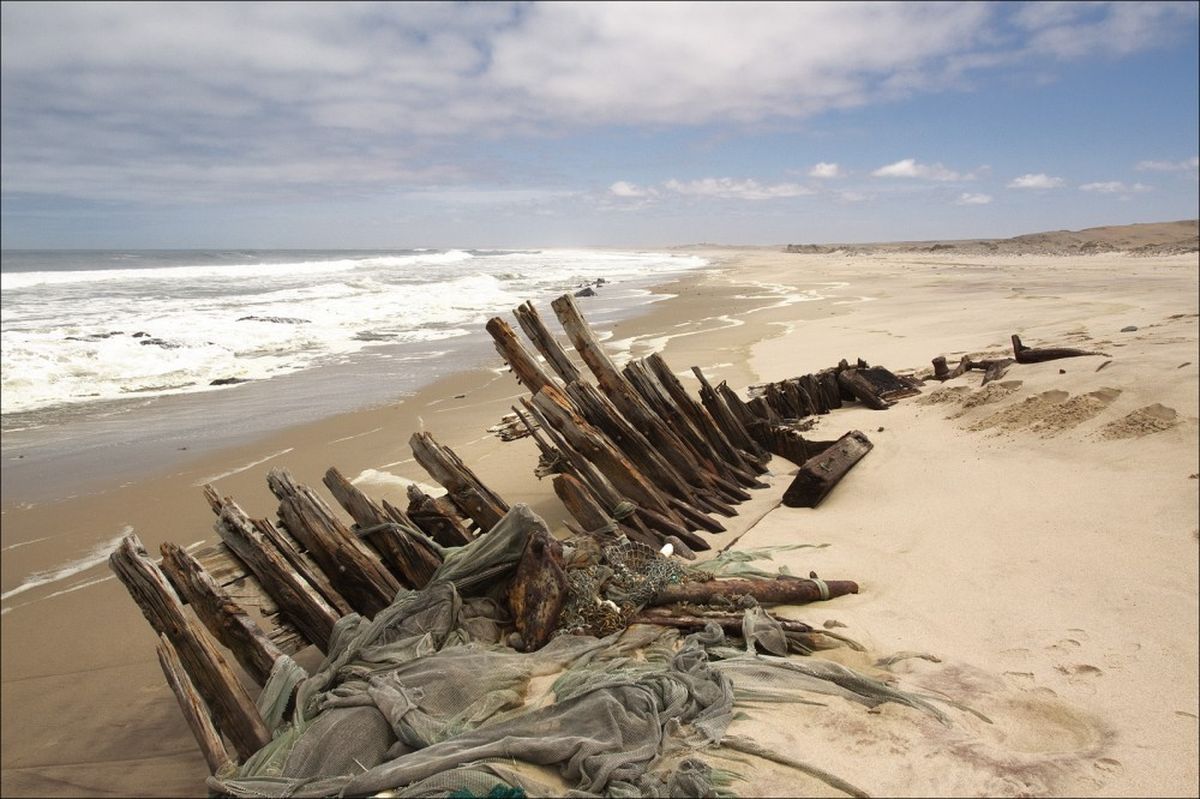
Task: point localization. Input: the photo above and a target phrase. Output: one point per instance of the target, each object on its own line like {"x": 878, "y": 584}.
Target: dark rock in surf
{"x": 587, "y": 292}
{"x": 229, "y": 381}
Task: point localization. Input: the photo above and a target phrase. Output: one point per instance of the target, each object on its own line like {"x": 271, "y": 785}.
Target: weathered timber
{"x": 524, "y": 365}
{"x": 223, "y": 617}
{"x": 764, "y": 412}
{"x": 730, "y": 424}
{"x": 818, "y": 475}
{"x": 406, "y": 552}
{"x": 297, "y": 598}
{"x": 236, "y": 715}
{"x": 595, "y": 447}
{"x": 545, "y": 343}
{"x": 355, "y": 571}
{"x": 787, "y": 442}
{"x": 742, "y": 465}
{"x": 862, "y": 389}
{"x": 995, "y": 369}
{"x": 438, "y": 517}
{"x": 888, "y": 386}
{"x": 580, "y": 502}
{"x": 303, "y": 563}
{"x": 668, "y": 528}
{"x": 784, "y": 591}
{"x": 1025, "y": 354}
{"x": 195, "y": 711}
{"x": 596, "y": 409}
{"x": 538, "y": 590}
{"x": 695, "y": 518}
{"x": 624, "y": 397}
{"x": 465, "y": 490}
{"x": 943, "y": 372}
{"x": 831, "y": 391}
{"x": 730, "y": 622}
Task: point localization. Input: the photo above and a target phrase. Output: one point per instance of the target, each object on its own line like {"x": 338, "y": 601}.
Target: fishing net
{"x": 424, "y": 700}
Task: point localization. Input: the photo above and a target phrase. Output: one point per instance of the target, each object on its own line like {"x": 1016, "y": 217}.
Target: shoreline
{"x": 83, "y": 659}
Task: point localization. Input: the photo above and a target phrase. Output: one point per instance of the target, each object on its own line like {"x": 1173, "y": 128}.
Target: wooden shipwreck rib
{"x": 633, "y": 455}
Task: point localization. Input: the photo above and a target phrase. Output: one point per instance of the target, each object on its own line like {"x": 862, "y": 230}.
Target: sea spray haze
{"x": 86, "y": 328}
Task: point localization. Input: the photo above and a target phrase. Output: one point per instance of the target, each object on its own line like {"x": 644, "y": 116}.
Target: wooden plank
{"x": 788, "y": 591}
{"x": 195, "y": 711}
{"x": 236, "y": 714}
{"x": 730, "y": 424}
{"x": 820, "y": 474}
{"x": 223, "y": 617}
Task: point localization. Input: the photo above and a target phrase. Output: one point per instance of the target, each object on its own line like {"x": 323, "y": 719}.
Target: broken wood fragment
{"x": 818, "y": 475}
{"x": 438, "y": 517}
{"x": 861, "y": 389}
{"x": 787, "y": 442}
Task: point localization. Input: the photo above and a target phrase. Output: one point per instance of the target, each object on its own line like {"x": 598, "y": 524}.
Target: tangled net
{"x": 603, "y": 598}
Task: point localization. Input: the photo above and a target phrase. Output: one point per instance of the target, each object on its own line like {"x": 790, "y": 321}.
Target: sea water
{"x": 102, "y": 350}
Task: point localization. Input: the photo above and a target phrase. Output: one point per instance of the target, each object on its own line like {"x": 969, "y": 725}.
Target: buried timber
{"x": 469, "y": 650}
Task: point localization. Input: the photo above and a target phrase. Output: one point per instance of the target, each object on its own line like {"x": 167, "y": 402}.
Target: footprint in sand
{"x": 1142, "y": 422}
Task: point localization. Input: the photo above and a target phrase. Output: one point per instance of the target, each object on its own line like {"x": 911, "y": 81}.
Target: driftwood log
{"x": 818, "y": 475}
{"x": 783, "y": 591}
{"x": 1025, "y": 354}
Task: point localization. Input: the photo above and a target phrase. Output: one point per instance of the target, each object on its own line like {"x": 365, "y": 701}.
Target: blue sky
{"x": 568, "y": 124}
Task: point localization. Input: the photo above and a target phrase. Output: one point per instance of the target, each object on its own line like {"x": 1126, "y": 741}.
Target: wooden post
{"x": 354, "y": 570}
{"x": 617, "y": 389}
{"x": 528, "y": 371}
{"x": 407, "y": 552}
{"x": 730, "y": 424}
{"x": 787, "y": 591}
{"x": 223, "y": 617}
{"x": 582, "y": 505}
{"x": 195, "y": 711}
{"x": 704, "y": 422}
{"x": 235, "y": 712}
{"x": 787, "y": 442}
{"x": 596, "y": 448}
{"x": 300, "y": 601}
{"x": 465, "y": 490}
{"x": 820, "y": 474}
{"x": 546, "y": 344}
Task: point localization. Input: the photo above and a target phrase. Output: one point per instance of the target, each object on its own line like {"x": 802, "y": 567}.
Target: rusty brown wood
{"x": 528, "y": 371}
{"x": 545, "y": 343}
{"x": 1025, "y": 354}
{"x": 787, "y": 591}
{"x": 437, "y": 517}
{"x": 463, "y": 487}
{"x": 195, "y": 711}
{"x": 818, "y": 475}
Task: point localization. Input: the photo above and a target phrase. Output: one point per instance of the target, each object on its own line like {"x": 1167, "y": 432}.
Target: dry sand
{"x": 1035, "y": 541}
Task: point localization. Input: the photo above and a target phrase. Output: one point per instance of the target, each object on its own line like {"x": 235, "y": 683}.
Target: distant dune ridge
{"x": 1154, "y": 238}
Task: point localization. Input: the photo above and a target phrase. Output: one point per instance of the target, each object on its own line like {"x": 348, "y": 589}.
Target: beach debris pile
{"x": 995, "y": 368}
{"x": 433, "y": 619}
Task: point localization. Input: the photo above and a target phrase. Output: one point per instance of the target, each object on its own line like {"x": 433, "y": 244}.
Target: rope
{"x": 624, "y": 510}
{"x": 822, "y": 587}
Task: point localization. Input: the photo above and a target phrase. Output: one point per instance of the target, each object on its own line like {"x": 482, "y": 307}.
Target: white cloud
{"x": 1114, "y": 187}
{"x": 911, "y": 168}
{"x": 730, "y": 188}
{"x": 1169, "y": 166}
{"x": 825, "y": 170}
{"x": 624, "y": 188}
{"x": 966, "y": 198}
{"x": 1073, "y": 30}
{"x": 1035, "y": 181}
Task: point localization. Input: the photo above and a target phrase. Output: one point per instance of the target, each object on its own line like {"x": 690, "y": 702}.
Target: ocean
{"x": 102, "y": 350}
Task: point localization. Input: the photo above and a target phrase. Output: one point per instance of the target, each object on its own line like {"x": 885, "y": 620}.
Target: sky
{"x": 360, "y": 125}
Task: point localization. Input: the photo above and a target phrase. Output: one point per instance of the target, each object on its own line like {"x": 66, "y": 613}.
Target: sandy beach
{"x": 1028, "y": 549}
